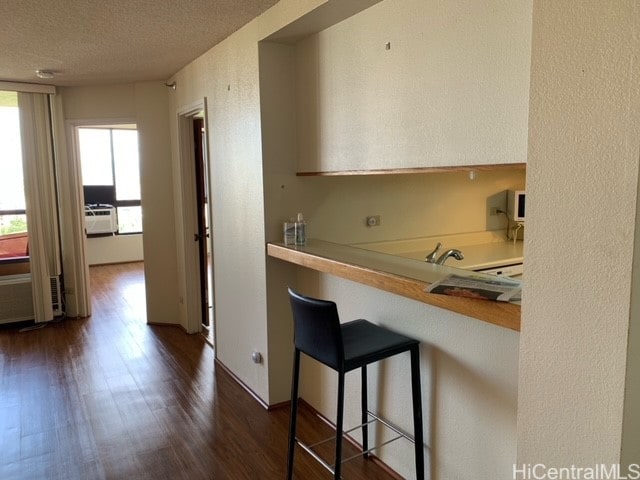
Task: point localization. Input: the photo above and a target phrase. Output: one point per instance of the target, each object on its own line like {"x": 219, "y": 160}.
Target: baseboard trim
{"x": 125, "y": 262}
{"x": 160, "y": 324}
{"x": 277, "y": 406}
{"x": 255, "y": 396}
{"x": 373, "y": 458}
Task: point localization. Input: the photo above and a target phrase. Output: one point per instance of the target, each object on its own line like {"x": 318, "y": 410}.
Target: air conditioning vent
{"x": 100, "y": 219}
{"x": 56, "y": 297}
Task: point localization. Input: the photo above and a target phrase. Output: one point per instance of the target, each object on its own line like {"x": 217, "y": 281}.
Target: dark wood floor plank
{"x": 110, "y": 397}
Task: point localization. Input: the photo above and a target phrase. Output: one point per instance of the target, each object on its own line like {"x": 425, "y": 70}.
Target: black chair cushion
{"x": 365, "y": 342}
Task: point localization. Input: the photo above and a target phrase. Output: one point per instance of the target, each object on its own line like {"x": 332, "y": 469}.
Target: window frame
{"x": 14, "y": 211}
{"x": 116, "y": 203}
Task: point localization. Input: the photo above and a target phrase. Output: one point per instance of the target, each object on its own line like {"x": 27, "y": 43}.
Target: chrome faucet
{"x": 454, "y": 252}
{"x": 431, "y": 257}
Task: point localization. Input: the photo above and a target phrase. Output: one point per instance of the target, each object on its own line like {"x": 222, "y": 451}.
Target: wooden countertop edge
{"x": 502, "y": 314}
{"x": 406, "y": 171}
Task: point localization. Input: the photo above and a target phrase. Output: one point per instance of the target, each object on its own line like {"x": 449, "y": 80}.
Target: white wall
{"x": 469, "y": 368}
{"x": 95, "y": 103}
{"x": 227, "y": 75}
{"x": 452, "y": 89}
{"x": 631, "y": 420}
{"x": 146, "y": 105}
{"x": 584, "y": 146}
{"x": 410, "y": 206}
{"x": 282, "y": 191}
{"x": 114, "y": 249}
{"x": 582, "y": 181}
{"x": 159, "y": 239}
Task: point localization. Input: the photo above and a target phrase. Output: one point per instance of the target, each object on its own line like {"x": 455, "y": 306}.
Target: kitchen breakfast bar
{"x": 401, "y": 276}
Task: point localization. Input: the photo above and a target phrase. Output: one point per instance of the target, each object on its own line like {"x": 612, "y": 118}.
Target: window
{"x": 13, "y": 218}
{"x": 111, "y": 172}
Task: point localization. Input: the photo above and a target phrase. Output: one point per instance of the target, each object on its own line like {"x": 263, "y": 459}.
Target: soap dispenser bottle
{"x": 301, "y": 230}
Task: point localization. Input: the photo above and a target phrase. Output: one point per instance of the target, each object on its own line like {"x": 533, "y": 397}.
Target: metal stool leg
{"x": 294, "y": 412}
{"x": 337, "y": 468}
{"x": 365, "y": 415}
{"x": 416, "y": 392}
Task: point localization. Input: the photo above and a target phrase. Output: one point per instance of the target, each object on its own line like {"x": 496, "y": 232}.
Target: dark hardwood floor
{"x": 111, "y": 397}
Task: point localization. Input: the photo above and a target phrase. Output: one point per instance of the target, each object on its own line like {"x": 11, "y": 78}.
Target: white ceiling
{"x": 91, "y": 42}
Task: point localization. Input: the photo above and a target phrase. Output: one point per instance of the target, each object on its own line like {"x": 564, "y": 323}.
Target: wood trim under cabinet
{"x": 404, "y": 171}
{"x": 501, "y": 314}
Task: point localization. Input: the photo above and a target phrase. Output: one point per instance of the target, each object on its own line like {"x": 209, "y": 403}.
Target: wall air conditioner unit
{"x": 16, "y": 298}
{"x": 100, "y": 219}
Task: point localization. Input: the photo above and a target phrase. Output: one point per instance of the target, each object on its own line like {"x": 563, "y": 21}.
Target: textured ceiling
{"x": 90, "y": 42}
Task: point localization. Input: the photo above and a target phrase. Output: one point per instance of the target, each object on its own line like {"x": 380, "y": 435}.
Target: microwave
{"x": 515, "y": 205}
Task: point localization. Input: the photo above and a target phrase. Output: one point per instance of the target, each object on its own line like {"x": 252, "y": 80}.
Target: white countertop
{"x": 402, "y": 265}
{"x": 481, "y": 250}
{"x": 384, "y": 262}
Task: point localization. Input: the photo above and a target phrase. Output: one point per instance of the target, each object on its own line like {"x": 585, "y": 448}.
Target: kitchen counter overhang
{"x": 397, "y": 275}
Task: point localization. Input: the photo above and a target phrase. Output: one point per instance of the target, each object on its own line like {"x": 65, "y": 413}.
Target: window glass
{"x": 14, "y": 241}
{"x": 11, "y": 181}
{"x": 111, "y": 173}
{"x": 129, "y": 219}
{"x": 13, "y": 224}
{"x": 126, "y": 163}
{"x": 95, "y": 156}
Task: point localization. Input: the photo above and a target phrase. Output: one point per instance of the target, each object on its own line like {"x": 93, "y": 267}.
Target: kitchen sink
{"x": 488, "y": 252}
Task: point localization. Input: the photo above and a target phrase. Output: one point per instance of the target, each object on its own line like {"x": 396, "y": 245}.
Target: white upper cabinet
{"x": 415, "y": 84}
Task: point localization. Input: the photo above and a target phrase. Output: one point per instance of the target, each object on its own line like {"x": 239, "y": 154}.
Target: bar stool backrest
{"x": 317, "y": 329}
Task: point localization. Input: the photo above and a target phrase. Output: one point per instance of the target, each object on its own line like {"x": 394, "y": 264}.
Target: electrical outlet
{"x": 256, "y": 357}
{"x": 373, "y": 221}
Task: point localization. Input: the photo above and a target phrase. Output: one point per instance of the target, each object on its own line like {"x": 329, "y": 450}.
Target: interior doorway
{"x": 205, "y": 266}
{"x": 109, "y": 167}
{"x": 195, "y": 222}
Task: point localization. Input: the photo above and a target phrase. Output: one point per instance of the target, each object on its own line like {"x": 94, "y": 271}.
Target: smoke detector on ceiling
{"x": 45, "y": 74}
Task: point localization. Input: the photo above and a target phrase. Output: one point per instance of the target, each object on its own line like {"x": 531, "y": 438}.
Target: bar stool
{"x": 319, "y": 334}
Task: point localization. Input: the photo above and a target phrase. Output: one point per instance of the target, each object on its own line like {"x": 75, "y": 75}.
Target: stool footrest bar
{"x": 344, "y": 432}
{"x": 359, "y": 454}
{"x": 317, "y": 457}
{"x": 392, "y": 427}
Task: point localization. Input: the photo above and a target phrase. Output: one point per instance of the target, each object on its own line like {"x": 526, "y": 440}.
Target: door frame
{"x": 73, "y": 174}
{"x": 202, "y": 189}
{"x": 186, "y": 215}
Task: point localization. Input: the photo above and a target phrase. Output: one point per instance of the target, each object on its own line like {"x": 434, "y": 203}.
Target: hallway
{"x": 111, "y": 397}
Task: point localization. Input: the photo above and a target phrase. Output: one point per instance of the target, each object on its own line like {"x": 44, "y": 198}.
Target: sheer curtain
{"x": 40, "y": 195}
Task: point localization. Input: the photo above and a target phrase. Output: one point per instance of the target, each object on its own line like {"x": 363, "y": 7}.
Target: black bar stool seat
{"x": 365, "y": 342}
{"x": 345, "y": 347}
